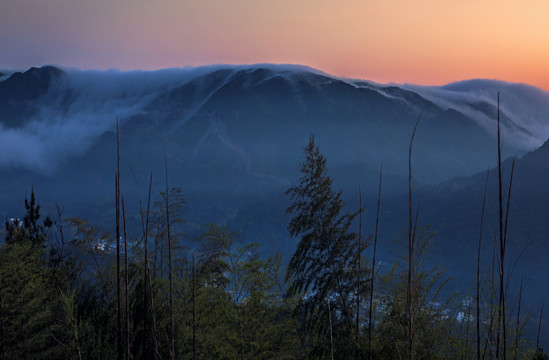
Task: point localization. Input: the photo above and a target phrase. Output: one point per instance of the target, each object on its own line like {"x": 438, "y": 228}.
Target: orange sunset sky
{"x": 421, "y": 41}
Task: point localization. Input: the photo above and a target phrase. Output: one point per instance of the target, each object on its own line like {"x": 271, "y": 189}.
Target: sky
{"x": 428, "y": 42}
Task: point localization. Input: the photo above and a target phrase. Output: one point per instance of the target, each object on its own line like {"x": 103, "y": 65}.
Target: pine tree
{"x": 322, "y": 268}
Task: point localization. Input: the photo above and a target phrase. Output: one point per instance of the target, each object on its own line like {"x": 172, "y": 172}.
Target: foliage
{"x": 29, "y": 228}
{"x": 435, "y": 326}
{"x": 322, "y": 269}
{"x": 58, "y": 290}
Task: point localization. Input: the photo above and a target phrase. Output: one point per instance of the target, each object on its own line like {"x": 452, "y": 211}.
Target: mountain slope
{"x": 61, "y": 114}
{"x": 233, "y": 135}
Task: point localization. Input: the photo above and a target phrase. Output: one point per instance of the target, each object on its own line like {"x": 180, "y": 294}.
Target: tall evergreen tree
{"x": 322, "y": 267}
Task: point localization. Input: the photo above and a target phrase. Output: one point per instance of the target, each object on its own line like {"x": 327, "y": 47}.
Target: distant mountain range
{"x": 245, "y": 112}
{"x": 234, "y": 136}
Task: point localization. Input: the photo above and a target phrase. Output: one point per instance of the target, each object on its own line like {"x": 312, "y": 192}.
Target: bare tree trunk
{"x": 146, "y": 270}
{"x": 155, "y": 336}
{"x": 410, "y": 250}
{"x": 126, "y": 293}
{"x": 331, "y": 335}
{"x": 145, "y": 229}
{"x": 489, "y": 336}
{"x": 156, "y": 250}
{"x": 500, "y": 217}
{"x": 517, "y": 331}
{"x": 172, "y": 334}
{"x": 194, "y": 314}
{"x": 2, "y": 319}
{"x": 147, "y": 280}
{"x": 478, "y": 264}
{"x": 539, "y": 326}
{"x": 117, "y": 186}
{"x": 503, "y": 244}
{"x": 508, "y": 203}
{"x": 370, "y": 317}
{"x": 359, "y": 252}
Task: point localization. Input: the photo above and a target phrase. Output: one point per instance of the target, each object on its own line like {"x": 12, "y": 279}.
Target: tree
{"x": 435, "y": 332}
{"x": 29, "y": 228}
{"x": 540, "y": 355}
{"x": 33, "y": 318}
{"x": 322, "y": 268}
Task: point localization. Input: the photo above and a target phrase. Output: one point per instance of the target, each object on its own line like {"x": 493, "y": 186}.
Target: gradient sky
{"x": 427, "y": 42}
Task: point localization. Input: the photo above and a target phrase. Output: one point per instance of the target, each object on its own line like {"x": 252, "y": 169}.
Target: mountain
{"x": 461, "y": 198}
{"x": 453, "y": 209}
{"x": 233, "y": 135}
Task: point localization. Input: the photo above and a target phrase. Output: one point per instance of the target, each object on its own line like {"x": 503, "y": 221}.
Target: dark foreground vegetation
{"x": 72, "y": 290}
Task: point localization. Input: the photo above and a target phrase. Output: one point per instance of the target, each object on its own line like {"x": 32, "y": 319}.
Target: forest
{"x": 70, "y": 289}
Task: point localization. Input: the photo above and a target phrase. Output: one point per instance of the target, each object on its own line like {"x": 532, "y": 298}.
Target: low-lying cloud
{"x": 77, "y": 109}
{"x": 525, "y": 105}
{"x": 80, "y": 106}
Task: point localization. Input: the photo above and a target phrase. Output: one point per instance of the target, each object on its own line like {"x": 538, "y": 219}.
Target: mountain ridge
{"x": 168, "y": 99}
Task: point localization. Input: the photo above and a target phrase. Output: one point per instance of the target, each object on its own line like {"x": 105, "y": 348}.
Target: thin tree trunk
{"x": 147, "y": 282}
{"x": 502, "y": 245}
{"x": 145, "y": 229}
{"x": 517, "y": 331}
{"x": 331, "y": 335}
{"x": 410, "y": 250}
{"x": 508, "y": 204}
{"x": 146, "y": 267}
{"x": 194, "y": 314}
{"x": 539, "y": 326}
{"x": 156, "y": 250}
{"x": 147, "y": 279}
{"x": 489, "y": 336}
{"x": 117, "y": 186}
{"x": 172, "y": 334}
{"x": 359, "y": 252}
{"x": 478, "y": 264}
{"x": 155, "y": 336}
{"x": 370, "y": 317}
{"x": 127, "y": 296}
{"x": 2, "y": 319}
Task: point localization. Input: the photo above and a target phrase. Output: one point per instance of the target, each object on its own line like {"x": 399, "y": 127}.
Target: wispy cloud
{"x": 525, "y": 105}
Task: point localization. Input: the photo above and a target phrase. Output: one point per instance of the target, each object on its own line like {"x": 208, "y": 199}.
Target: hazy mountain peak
{"x": 53, "y": 114}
